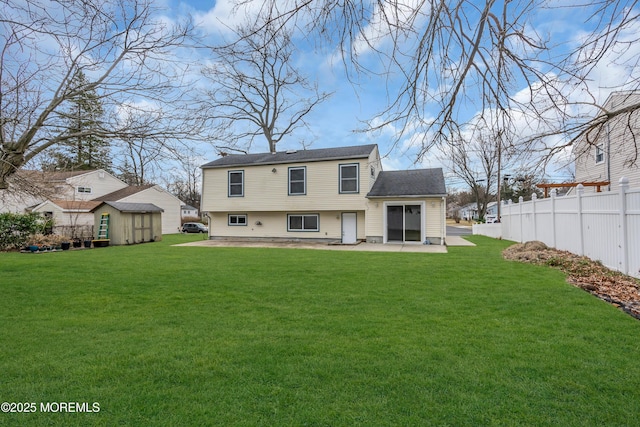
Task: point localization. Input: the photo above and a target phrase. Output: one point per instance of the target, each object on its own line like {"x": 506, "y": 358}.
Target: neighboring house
{"x": 70, "y": 186}
{"x": 154, "y": 194}
{"x": 492, "y": 208}
{"x": 188, "y": 211}
{"x": 469, "y": 212}
{"x": 333, "y": 194}
{"x": 72, "y": 218}
{"x": 605, "y": 158}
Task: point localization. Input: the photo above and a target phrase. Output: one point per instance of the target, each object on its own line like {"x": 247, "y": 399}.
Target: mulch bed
{"x": 616, "y": 288}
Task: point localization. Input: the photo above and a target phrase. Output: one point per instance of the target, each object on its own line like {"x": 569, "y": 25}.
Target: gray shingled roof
{"x": 416, "y": 182}
{"x": 131, "y": 207}
{"x": 123, "y": 192}
{"x": 292, "y": 156}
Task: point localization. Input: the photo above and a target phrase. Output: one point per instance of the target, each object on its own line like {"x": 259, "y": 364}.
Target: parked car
{"x": 491, "y": 219}
{"x": 194, "y": 227}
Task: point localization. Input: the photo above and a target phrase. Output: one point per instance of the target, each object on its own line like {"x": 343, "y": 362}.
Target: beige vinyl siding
{"x": 274, "y": 225}
{"x": 267, "y": 190}
{"x": 435, "y": 218}
{"x": 375, "y": 163}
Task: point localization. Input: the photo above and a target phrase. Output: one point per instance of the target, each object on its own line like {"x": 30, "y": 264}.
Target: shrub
{"x": 15, "y": 229}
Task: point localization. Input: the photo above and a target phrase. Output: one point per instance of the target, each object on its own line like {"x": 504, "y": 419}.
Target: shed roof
{"x": 409, "y": 183}
{"x": 292, "y": 156}
{"x": 131, "y": 207}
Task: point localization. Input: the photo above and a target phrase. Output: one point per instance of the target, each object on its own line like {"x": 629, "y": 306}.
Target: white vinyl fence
{"x": 602, "y": 226}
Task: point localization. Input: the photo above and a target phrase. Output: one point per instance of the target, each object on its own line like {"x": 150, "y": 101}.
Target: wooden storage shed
{"x": 127, "y": 223}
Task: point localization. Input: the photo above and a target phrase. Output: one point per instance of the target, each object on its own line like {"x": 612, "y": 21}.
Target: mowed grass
{"x": 179, "y": 336}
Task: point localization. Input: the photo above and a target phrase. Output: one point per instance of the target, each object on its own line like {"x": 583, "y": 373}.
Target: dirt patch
{"x": 616, "y": 288}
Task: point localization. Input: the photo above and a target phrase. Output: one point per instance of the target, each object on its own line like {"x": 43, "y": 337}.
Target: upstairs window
{"x": 84, "y": 190}
{"x": 599, "y": 154}
{"x": 236, "y": 183}
{"x": 297, "y": 181}
{"x": 349, "y": 178}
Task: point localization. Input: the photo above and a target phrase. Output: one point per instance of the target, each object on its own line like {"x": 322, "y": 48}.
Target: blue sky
{"x": 333, "y": 122}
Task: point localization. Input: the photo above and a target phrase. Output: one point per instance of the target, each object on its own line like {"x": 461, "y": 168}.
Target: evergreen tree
{"x": 84, "y": 148}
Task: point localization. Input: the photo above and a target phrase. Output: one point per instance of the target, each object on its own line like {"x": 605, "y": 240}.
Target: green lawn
{"x": 191, "y": 336}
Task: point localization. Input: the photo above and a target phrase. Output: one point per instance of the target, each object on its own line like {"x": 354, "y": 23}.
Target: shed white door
{"x": 349, "y": 227}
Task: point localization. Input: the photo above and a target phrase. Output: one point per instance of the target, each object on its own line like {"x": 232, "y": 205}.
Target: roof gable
{"x": 409, "y": 183}
{"x": 292, "y": 156}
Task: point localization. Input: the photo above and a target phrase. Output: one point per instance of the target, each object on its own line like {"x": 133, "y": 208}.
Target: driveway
{"x": 458, "y": 230}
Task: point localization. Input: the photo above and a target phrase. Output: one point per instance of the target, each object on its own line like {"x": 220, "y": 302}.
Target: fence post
{"x": 624, "y": 243}
{"x": 534, "y": 198}
{"x": 507, "y": 203}
{"x": 553, "y": 217}
{"x": 520, "y": 201}
{"x": 579, "y": 192}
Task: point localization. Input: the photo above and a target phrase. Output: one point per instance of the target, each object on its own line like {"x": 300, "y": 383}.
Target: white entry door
{"x": 349, "y": 227}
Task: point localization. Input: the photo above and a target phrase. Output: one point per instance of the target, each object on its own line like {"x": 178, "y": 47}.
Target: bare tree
{"x": 257, "y": 90}
{"x": 465, "y": 57}
{"x": 184, "y": 180}
{"x": 141, "y": 153}
{"x": 475, "y": 157}
{"x": 122, "y": 47}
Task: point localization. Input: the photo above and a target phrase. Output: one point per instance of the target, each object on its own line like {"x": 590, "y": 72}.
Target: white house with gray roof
{"x": 331, "y": 194}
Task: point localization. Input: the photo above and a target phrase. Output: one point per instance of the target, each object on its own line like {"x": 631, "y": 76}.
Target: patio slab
{"x": 371, "y": 247}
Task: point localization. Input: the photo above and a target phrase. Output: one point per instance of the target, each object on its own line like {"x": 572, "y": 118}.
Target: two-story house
{"x": 609, "y": 154}
{"x": 331, "y": 194}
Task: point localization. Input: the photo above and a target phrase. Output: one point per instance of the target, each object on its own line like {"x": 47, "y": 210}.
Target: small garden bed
{"x": 616, "y": 288}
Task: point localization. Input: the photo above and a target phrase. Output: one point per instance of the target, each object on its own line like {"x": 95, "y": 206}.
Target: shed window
{"x": 236, "y": 183}
{"x": 307, "y": 222}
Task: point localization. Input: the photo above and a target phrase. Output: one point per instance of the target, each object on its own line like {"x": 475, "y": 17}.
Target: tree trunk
{"x": 10, "y": 162}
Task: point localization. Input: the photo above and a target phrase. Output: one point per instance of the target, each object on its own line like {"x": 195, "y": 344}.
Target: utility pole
{"x": 499, "y": 167}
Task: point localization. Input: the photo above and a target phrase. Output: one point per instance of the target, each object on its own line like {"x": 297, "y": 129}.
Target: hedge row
{"x": 15, "y": 229}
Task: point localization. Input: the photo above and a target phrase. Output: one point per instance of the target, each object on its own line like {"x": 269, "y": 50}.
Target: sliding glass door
{"x": 404, "y": 223}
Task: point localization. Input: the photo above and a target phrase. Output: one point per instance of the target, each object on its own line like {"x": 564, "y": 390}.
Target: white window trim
{"x": 357, "y": 178}
{"x": 303, "y": 230}
{"x": 241, "y": 172}
{"x": 84, "y": 190}
{"x": 304, "y": 181}
{"x": 599, "y": 150}
{"x": 237, "y": 224}
{"x": 423, "y": 218}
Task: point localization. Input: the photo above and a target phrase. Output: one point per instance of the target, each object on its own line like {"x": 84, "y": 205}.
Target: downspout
{"x": 444, "y": 220}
